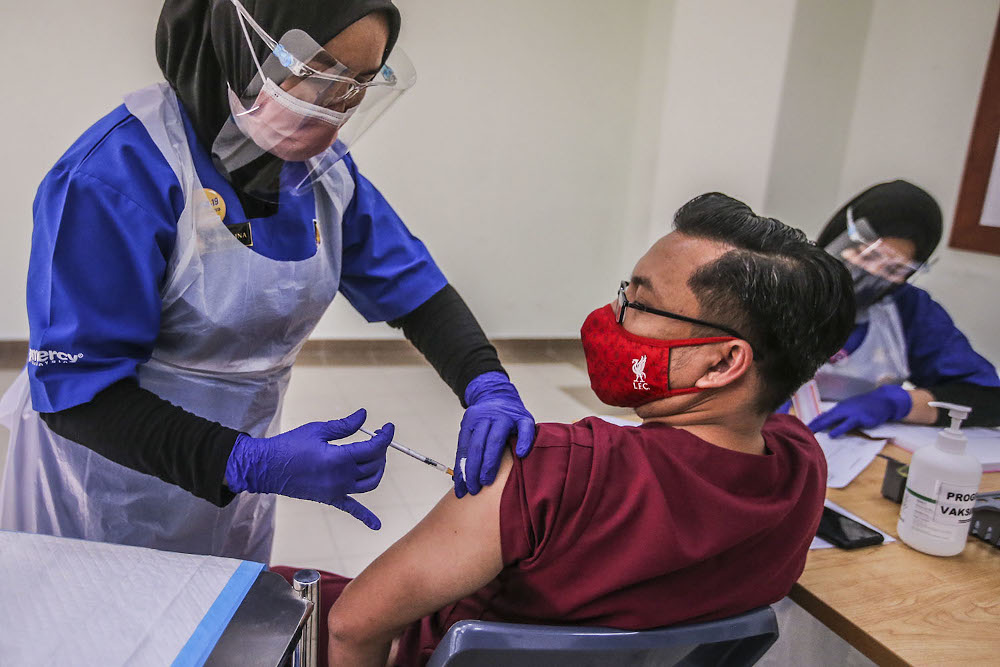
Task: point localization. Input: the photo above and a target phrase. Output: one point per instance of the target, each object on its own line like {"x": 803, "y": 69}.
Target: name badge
{"x": 242, "y": 232}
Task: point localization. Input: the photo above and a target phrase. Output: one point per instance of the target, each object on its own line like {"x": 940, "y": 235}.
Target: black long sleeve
{"x": 448, "y": 335}
{"x": 984, "y": 401}
{"x": 139, "y": 430}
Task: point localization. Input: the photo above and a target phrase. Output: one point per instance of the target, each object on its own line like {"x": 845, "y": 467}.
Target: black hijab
{"x": 200, "y": 48}
{"x": 897, "y": 209}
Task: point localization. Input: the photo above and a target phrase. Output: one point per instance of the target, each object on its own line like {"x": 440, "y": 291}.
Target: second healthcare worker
{"x": 883, "y": 236}
{"x": 183, "y": 250}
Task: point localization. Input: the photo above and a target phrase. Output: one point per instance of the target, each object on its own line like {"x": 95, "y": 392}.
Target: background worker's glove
{"x": 888, "y": 403}
{"x": 302, "y": 464}
{"x": 495, "y": 413}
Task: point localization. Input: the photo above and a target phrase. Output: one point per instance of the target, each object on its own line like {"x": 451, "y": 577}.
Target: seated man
{"x": 704, "y": 511}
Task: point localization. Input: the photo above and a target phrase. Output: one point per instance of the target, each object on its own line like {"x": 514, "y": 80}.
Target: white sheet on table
{"x": 847, "y": 456}
{"x": 73, "y": 602}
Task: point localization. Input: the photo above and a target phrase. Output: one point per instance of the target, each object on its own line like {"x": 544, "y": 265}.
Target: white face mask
{"x": 285, "y": 126}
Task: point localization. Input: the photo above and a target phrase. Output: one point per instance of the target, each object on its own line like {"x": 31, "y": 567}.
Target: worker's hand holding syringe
{"x": 301, "y": 463}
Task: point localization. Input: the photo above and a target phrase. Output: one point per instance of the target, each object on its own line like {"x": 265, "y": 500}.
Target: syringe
{"x": 417, "y": 455}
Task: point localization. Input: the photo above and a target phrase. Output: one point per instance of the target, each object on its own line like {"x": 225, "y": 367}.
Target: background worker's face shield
{"x": 297, "y": 106}
{"x": 876, "y": 267}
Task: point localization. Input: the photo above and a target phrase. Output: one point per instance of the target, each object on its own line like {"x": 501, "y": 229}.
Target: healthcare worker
{"x": 884, "y": 236}
{"x": 183, "y": 250}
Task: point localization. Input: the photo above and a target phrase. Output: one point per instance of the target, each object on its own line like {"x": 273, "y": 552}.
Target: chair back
{"x": 730, "y": 642}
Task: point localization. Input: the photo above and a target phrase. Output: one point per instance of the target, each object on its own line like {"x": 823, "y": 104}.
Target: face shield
{"x": 877, "y": 268}
{"x": 297, "y": 107}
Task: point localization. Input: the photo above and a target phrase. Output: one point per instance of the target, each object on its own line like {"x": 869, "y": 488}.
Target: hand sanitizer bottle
{"x": 940, "y": 491}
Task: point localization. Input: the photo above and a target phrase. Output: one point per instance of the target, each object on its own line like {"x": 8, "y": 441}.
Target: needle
{"x": 417, "y": 455}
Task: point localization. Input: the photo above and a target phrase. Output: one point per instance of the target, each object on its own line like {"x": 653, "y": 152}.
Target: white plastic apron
{"x": 232, "y": 323}
{"x": 879, "y": 360}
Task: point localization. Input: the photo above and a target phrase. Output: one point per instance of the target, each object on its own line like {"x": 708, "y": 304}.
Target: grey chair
{"x": 730, "y": 642}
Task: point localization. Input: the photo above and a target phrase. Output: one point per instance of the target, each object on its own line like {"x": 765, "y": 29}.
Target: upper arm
{"x": 453, "y": 552}
{"x": 937, "y": 350}
{"x": 387, "y": 272}
{"x": 97, "y": 262}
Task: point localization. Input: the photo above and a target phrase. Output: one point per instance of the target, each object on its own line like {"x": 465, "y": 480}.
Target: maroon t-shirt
{"x": 646, "y": 526}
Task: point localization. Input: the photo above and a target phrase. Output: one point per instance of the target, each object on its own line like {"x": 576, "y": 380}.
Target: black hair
{"x": 792, "y": 301}
{"x": 896, "y": 209}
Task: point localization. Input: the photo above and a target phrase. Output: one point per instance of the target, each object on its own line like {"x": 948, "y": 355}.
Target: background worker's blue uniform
{"x": 908, "y": 337}
{"x": 936, "y": 351}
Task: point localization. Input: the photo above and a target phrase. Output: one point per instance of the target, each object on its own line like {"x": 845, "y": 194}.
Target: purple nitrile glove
{"x": 783, "y": 408}
{"x": 302, "y": 463}
{"x": 495, "y": 412}
{"x": 888, "y": 403}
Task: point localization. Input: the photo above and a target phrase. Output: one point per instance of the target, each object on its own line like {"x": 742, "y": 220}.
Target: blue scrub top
{"x": 937, "y": 352}
{"x": 105, "y": 224}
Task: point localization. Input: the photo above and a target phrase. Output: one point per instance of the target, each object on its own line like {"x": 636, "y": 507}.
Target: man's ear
{"x": 731, "y": 360}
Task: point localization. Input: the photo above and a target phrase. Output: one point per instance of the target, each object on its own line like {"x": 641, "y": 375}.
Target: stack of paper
{"x": 984, "y": 443}
{"x": 847, "y": 456}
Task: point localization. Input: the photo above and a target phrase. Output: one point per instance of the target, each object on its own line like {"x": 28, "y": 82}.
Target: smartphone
{"x": 845, "y": 532}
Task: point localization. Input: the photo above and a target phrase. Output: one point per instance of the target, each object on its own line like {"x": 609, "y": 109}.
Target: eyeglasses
{"x": 624, "y": 304}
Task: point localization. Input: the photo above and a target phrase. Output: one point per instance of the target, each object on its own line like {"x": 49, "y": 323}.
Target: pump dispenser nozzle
{"x": 958, "y": 413}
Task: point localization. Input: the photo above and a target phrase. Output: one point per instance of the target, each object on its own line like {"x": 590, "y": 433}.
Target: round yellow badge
{"x": 217, "y": 202}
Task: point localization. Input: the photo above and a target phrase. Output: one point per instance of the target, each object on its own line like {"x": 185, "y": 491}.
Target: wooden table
{"x": 899, "y": 606}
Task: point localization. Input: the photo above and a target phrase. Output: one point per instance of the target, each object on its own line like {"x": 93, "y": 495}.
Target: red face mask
{"x": 628, "y": 370}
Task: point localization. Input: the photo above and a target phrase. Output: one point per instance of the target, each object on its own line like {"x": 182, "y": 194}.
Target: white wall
{"x": 724, "y": 74}
{"x": 67, "y": 64}
{"x": 547, "y": 141}
{"x": 821, "y": 80}
{"x": 510, "y": 156}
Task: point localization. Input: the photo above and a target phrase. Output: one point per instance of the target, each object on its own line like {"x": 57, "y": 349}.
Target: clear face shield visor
{"x": 298, "y": 105}
{"x": 876, "y": 267}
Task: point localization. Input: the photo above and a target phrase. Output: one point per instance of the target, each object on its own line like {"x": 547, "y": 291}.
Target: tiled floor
{"x": 426, "y": 415}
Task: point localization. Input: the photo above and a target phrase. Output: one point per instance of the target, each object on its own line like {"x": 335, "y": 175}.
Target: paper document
{"x": 984, "y": 443}
{"x": 846, "y": 457}
{"x": 820, "y": 543}
{"x": 990, "y": 217}
{"x": 806, "y": 402}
